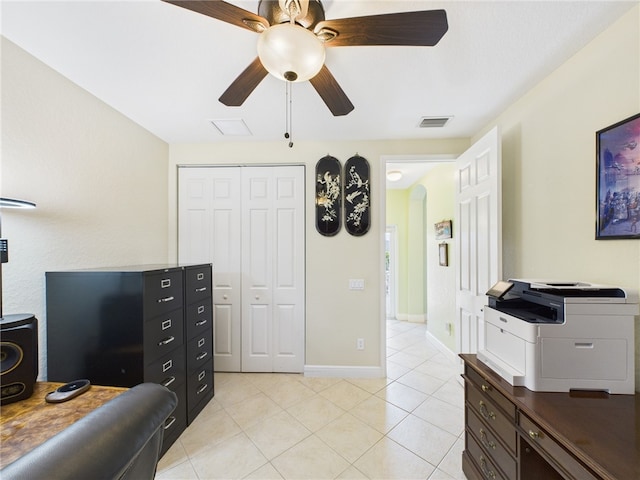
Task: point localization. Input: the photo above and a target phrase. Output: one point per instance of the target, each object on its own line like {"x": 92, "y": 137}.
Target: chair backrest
{"x": 120, "y": 440}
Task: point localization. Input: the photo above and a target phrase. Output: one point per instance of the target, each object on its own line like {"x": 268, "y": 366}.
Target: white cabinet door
{"x": 479, "y": 243}
{"x": 273, "y": 269}
{"x": 209, "y": 231}
{"x": 249, "y": 222}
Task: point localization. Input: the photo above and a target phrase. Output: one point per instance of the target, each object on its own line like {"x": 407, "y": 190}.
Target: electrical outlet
{"x": 356, "y": 284}
{"x": 360, "y": 344}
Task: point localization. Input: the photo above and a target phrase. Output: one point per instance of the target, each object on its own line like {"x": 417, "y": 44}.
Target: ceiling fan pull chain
{"x": 288, "y": 122}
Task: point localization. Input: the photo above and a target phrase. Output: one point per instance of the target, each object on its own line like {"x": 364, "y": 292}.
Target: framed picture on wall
{"x": 618, "y": 180}
{"x": 443, "y": 230}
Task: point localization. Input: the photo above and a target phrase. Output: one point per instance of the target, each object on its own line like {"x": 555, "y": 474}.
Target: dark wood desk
{"x": 28, "y": 423}
{"x": 581, "y": 435}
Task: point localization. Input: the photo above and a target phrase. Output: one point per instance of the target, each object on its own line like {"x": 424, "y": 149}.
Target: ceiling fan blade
{"x": 241, "y": 87}
{"x": 224, "y": 11}
{"x": 424, "y": 28}
{"x": 331, "y": 93}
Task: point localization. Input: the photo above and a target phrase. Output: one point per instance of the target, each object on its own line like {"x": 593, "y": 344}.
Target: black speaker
{"x": 18, "y": 357}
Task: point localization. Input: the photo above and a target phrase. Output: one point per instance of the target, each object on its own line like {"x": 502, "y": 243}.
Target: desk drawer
{"x": 538, "y": 437}
{"x": 484, "y": 407}
{"x": 496, "y": 397}
{"x": 483, "y": 461}
{"x": 492, "y": 445}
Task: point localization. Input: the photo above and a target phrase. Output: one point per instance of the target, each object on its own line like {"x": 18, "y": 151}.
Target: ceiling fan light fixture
{"x": 291, "y": 52}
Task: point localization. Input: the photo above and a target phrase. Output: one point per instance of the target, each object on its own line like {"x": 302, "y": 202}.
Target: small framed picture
{"x": 443, "y": 230}
{"x": 618, "y": 180}
{"x": 443, "y": 254}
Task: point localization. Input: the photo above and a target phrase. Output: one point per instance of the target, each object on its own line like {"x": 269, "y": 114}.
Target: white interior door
{"x": 479, "y": 226}
{"x": 249, "y": 222}
{"x": 273, "y": 269}
{"x": 209, "y": 222}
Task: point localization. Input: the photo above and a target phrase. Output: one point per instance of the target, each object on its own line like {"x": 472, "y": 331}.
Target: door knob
{"x": 225, "y": 297}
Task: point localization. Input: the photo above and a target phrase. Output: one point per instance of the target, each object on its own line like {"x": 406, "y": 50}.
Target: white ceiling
{"x": 165, "y": 67}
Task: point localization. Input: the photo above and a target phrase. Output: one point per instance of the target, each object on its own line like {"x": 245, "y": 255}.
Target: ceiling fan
{"x": 293, "y": 36}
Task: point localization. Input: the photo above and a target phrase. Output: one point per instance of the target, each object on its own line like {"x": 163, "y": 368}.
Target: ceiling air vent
{"x": 433, "y": 122}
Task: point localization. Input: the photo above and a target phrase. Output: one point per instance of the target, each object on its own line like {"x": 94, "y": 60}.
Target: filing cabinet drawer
{"x": 199, "y": 318}
{"x": 199, "y": 386}
{"x": 163, "y": 334}
{"x": 162, "y": 292}
{"x": 484, "y": 407}
{"x": 495, "y": 396}
{"x": 492, "y": 445}
{"x": 198, "y": 283}
{"x": 483, "y": 461}
{"x": 199, "y": 351}
{"x": 177, "y": 421}
{"x": 169, "y": 370}
{"x": 538, "y": 437}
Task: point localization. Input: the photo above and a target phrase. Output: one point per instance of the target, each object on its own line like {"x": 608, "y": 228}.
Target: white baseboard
{"x": 442, "y": 348}
{"x": 410, "y": 317}
{"x": 343, "y": 371}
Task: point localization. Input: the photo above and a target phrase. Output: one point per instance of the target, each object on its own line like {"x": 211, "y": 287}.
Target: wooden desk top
{"x": 28, "y": 423}
{"x": 601, "y": 430}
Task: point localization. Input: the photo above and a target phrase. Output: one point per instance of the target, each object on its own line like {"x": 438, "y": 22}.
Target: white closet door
{"x": 273, "y": 269}
{"x": 209, "y": 231}
{"x": 249, "y": 222}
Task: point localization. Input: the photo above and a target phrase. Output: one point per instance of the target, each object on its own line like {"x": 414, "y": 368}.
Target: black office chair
{"x": 119, "y": 440}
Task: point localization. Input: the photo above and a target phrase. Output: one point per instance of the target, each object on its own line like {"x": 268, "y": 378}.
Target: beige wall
{"x": 548, "y": 158}
{"x": 335, "y": 315}
{"x": 98, "y": 179}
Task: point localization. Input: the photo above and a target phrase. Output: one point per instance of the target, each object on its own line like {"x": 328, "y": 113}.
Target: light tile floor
{"x": 282, "y": 426}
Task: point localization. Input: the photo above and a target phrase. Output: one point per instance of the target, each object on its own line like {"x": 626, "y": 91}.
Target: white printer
{"x": 558, "y": 336}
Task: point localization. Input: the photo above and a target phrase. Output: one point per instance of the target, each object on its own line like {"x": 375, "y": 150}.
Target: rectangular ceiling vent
{"x": 433, "y": 122}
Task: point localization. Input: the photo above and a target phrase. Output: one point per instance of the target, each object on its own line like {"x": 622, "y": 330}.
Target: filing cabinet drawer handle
{"x": 485, "y": 470}
{"x": 534, "y": 435}
{"x": 201, "y": 289}
{"x": 166, "y": 299}
{"x": 165, "y": 283}
{"x": 168, "y": 381}
{"x": 201, "y": 356}
{"x": 170, "y": 421}
{"x": 166, "y": 341}
{"x": 484, "y": 411}
{"x": 200, "y": 276}
{"x": 201, "y": 322}
{"x": 202, "y": 388}
{"x": 485, "y": 441}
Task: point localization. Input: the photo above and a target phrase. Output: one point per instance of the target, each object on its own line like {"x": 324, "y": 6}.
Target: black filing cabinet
{"x": 127, "y": 325}
{"x": 199, "y": 335}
